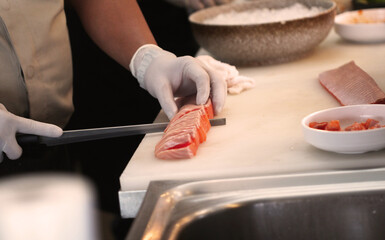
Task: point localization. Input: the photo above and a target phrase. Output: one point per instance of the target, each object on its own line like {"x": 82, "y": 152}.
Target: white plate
{"x": 350, "y": 142}
{"x": 366, "y": 26}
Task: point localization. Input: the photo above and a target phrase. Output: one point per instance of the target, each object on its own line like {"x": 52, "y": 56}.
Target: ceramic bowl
{"x": 263, "y": 43}
{"x": 347, "y": 142}
{"x": 366, "y": 25}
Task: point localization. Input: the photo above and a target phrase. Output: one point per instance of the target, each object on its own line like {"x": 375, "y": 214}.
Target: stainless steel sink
{"x": 332, "y": 205}
{"x": 336, "y": 216}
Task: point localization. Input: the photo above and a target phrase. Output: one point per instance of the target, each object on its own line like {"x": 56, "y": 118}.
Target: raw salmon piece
{"x": 203, "y": 122}
{"x": 186, "y": 105}
{"x": 371, "y": 123}
{"x": 174, "y": 142}
{"x": 333, "y": 125}
{"x": 181, "y": 134}
{"x": 183, "y": 111}
{"x": 184, "y": 124}
{"x": 318, "y": 125}
{"x": 207, "y": 109}
{"x": 185, "y": 132}
{"x": 355, "y": 127}
{"x": 178, "y": 153}
{"x": 350, "y": 85}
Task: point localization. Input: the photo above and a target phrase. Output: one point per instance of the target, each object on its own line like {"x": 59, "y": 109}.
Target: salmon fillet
{"x": 186, "y": 130}
{"x": 350, "y": 85}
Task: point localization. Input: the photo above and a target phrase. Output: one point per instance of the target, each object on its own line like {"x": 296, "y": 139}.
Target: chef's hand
{"x": 166, "y": 76}
{"x": 194, "y": 5}
{"x": 11, "y": 124}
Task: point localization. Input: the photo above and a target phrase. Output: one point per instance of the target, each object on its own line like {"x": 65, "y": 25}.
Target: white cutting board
{"x": 263, "y": 133}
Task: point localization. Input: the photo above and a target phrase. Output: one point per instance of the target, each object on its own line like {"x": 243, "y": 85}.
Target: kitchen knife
{"x": 74, "y": 136}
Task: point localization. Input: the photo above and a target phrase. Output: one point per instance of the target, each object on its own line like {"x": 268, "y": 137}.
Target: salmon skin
{"x": 351, "y": 85}
{"x": 186, "y": 130}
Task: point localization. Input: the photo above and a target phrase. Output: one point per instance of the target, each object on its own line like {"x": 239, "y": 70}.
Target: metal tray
{"x": 329, "y": 205}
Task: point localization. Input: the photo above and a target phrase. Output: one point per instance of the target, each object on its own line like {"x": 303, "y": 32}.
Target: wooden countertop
{"x": 263, "y": 134}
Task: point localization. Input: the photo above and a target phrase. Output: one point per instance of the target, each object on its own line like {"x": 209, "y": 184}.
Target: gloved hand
{"x": 166, "y": 76}
{"x": 198, "y": 4}
{"x": 11, "y": 124}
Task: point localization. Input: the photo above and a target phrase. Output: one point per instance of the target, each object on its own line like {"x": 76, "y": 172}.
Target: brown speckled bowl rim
{"x": 233, "y": 6}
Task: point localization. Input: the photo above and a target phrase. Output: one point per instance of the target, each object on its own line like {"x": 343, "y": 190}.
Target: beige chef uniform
{"x": 35, "y": 60}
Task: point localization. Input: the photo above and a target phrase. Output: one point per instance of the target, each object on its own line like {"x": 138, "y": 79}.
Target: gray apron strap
{"x": 13, "y": 91}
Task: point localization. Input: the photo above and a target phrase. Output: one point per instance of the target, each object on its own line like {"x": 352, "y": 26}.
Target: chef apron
{"x": 35, "y": 75}
{"x": 35, "y": 60}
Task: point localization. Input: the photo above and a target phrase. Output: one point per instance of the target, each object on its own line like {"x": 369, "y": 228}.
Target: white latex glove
{"x": 235, "y": 82}
{"x": 198, "y": 4}
{"x": 11, "y": 124}
{"x": 166, "y": 76}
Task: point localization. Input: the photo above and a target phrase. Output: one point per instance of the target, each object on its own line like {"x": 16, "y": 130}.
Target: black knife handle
{"x": 26, "y": 139}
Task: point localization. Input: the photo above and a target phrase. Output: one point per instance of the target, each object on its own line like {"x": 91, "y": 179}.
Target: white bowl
{"x": 350, "y": 142}
{"x": 366, "y": 26}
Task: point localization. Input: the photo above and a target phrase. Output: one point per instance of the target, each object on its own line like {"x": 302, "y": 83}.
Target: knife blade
{"x": 83, "y": 135}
